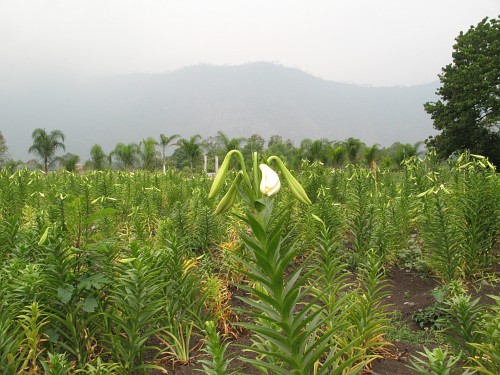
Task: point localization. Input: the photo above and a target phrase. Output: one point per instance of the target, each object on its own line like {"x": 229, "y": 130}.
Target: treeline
{"x": 173, "y": 151}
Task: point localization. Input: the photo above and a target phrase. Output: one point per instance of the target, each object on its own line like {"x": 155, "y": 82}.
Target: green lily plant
{"x": 286, "y": 339}
{"x": 264, "y": 184}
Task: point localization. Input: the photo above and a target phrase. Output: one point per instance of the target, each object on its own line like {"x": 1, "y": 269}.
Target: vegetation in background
{"x": 46, "y": 144}
{"x": 468, "y": 112}
{"x": 118, "y": 271}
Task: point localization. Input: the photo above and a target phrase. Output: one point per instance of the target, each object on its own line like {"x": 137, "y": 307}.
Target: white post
{"x": 216, "y": 164}
{"x": 205, "y": 163}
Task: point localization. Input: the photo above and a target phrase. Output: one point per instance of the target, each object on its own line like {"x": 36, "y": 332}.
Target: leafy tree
{"x": 148, "y": 153}
{"x": 69, "y": 161}
{"x": 320, "y": 150}
{"x": 126, "y": 155}
{"x": 317, "y": 150}
{"x": 4, "y": 151}
{"x": 338, "y": 153}
{"x": 468, "y": 113}
{"x": 46, "y": 144}
{"x": 371, "y": 155}
{"x": 97, "y": 157}
{"x": 254, "y": 143}
{"x": 192, "y": 149}
{"x": 283, "y": 149}
{"x": 179, "y": 159}
{"x": 353, "y": 147}
{"x": 274, "y": 139}
{"x": 164, "y": 143}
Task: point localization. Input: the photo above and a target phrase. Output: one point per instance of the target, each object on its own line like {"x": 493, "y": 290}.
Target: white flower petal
{"x": 270, "y": 183}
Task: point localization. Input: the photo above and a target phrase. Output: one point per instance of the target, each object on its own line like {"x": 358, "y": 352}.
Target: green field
{"x": 109, "y": 272}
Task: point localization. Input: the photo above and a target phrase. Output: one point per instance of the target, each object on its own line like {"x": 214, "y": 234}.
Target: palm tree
{"x": 164, "y": 143}
{"x": 148, "y": 153}
{"x": 46, "y": 144}
{"x": 126, "y": 154}
{"x": 69, "y": 161}
{"x": 226, "y": 144}
{"x": 97, "y": 156}
{"x": 406, "y": 151}
{"x": 192, "y": 148}
{"x": 229, "y": 144}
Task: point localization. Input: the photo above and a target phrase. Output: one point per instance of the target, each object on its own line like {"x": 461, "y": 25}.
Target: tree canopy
{"x": 191, "y": 148}
{"x": 165, "y": 141}
{"x": 468, "y": 112}
{"x": 97, "y": 157}
{"x": 3, "y": 149}
{"x": 126, "y": 155}
{"x": 46, "y": 144}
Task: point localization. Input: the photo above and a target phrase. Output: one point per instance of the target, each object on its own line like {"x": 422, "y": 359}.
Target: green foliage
{"x": 400, "y": 330}
{"x": 56, "y": 364}
{"x": 461, "y": 323}
{"x": 218, "y": 363}
{"x": 436, "y": 362}
{"x": 126, "y": 155}
{"x": 117, "y": 261}
{"x": 369, "y": 318}
{"x": 468, "y": 112}
{"x": 191, "y": 148}
{"x": 362, "y": 212}
{"x": 97, "y": 157}
{"x": 285, "y": 339}
{"x": 11, "y": 339}
{"x": 478, "y": 209}
{"x": 440, "y": 233}
{"x": 69, "y": 161}
{"x": 98, "y": 367}
{"x": 132, "y": 316}
{"x": 429, "y": 317}
{"x": 46, "y": 144}
{"x": 354, "y": 334}
{"x": 31, "y": 320}
{"x": 487, "y": 358}
{"x": 165, "y": 141}
{"x": 4, "y": 150}
{"x": 148, "y": 153}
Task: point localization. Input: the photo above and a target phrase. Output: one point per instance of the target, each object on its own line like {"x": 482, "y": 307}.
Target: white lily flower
{"x": 270, "y": 183}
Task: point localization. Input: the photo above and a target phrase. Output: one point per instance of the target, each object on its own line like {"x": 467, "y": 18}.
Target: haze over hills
{"x": 240, "y": 100}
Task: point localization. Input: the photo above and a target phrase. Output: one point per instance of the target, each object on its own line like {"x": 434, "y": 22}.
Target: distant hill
{"x": 240, "y": 100}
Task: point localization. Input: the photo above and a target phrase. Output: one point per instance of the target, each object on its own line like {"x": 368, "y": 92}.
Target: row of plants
{"x": 113, "y": 272}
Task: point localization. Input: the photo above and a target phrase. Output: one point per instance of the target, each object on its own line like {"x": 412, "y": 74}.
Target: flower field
{"x": 110, "y": 272}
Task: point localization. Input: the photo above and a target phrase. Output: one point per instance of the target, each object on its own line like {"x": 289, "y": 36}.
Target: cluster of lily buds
{"x": 269, "y": 181}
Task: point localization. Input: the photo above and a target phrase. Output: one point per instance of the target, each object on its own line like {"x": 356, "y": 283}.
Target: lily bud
{"x": 295, "y": 187}
{"x": 221, "y": 176}
{"x": 228, "y": 200}
{"x": 270, "y": 182}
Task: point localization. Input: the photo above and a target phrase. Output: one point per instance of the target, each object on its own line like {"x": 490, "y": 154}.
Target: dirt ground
{"x": 409, "y": 292}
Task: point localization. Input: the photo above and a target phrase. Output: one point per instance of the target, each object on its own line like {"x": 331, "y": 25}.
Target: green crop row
{"x": 114, "y": 272}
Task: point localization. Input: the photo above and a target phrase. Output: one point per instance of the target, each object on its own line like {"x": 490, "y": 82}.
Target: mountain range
{"x": 261, "y": 98}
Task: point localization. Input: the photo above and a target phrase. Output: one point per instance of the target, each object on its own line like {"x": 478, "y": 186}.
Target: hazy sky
{"x": 376, "y": 42}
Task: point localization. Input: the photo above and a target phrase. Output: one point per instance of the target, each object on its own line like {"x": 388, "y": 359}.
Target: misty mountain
{"x": 240, "y": 100}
